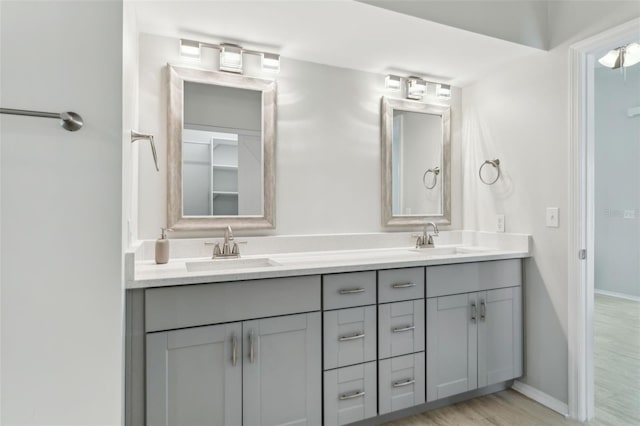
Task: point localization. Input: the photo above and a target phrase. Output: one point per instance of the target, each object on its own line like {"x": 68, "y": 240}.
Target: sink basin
{"x": 229, "y": 264}
{"x": 448, "y": 251}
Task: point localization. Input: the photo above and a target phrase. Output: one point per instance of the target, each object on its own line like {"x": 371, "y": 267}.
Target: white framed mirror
{"x": 220, "y": 150}
{"x": 416, "y": 163}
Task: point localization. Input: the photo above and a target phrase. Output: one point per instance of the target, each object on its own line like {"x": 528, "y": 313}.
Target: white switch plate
{"x": 500, "y": 223}
{"x": 552, "y": 217}
{"x": 629, "y": 214}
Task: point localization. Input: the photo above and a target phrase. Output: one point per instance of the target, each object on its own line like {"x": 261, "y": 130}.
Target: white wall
{"x": 327, "y": 151}
{"x": 617, "y": 181}
{"x": 61, "y": 196}
{"x": 520, "y": 113}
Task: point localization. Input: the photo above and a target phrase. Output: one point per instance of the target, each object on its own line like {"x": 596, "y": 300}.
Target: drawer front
{"x": 349, "y": 336}
{"x": 203, "y": 304}
{"x": 445, "y": 280}
{"x": 350, "y": 394}
{"x": 402, "y": 382}
{"x": 348, "y": 290}
{"x": 401, "y": 328}
{"x": 400, "y": 284}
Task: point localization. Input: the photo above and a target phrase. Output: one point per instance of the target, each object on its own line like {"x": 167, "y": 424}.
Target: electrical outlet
{"x": 552, "y": 217}
{"x": 500, "y": 223}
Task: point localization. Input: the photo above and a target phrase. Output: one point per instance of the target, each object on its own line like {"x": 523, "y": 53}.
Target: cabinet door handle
{"x": 351, "y": 290}
{"x": 403, "y": 383}
{"x": 251, "y": 354}
{"x": 234, "y": 350}
{"x": 483, "y": 310}
{"x": 474, "y": 311}
{"x": 351, "y": 395}
{"x": 403, "y": 285}
{"x": 401, "y": 329}
{"x": 351, "y": 337}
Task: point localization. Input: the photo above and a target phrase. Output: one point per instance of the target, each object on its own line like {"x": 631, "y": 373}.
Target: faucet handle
{"x": 216, "y": 249}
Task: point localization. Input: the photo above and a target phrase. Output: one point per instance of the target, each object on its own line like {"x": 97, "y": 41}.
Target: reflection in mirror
{"x": 221, "y": 144}
{"x": 416, "y": 162}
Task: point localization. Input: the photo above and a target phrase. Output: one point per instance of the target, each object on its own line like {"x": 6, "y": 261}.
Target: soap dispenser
{"x": 162, "y": 248}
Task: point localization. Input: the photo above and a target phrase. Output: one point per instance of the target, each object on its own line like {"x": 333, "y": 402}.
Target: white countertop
{"x": 146, "y": 274}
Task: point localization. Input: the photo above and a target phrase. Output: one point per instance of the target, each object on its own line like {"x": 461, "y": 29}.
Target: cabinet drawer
{"x": 349, "y": 336}
{"x": 401, "y": 328}
{"x": 400, "y": 284}
{"x": 192, "y": 305}
{"x": 350, "y": 394}
{"x": 469, "y": 277}
{"x": 401, "y": 382}
{"x": 350, "y": 289}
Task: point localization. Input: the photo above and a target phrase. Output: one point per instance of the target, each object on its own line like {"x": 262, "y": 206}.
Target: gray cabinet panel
{"x": 451, "y": 346}
{"x": 282, "y": 371}
{"x": 469, "y": 277}
{"x": 400, "y": 328}
{"x": 400, "y": 284}
{"x": 350, "y": 394}
{"x": 349, "y": 289}
{"x": 349, "y": 336}
{"x": 187, "y": 306}
{"x": 191, "y": 377}
{"x": 499, "y": 335}
{"x": 401, "y": 382}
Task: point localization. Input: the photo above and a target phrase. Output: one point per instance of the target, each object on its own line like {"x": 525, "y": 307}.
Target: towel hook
{"x": 135, "y": 136}
{"x": 496, "y": 164}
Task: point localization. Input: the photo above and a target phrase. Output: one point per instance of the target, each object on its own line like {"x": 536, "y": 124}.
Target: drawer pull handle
{"x": 351, "y": 290}
{"x": 234, "y": 350}
{"x": 474, "y": 311}
{"x": 483, "y": 310}
{"x": 351, "y": 337}
{"x": 403, "y": 383}
{"x": 403, "y": 285}
{"x": 251, "y": 353}
{"x": 401, "y": 329}
{"x": 356, "y": 394}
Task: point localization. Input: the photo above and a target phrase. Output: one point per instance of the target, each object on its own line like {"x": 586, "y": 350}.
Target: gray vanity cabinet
{"x": 260, "y": 372}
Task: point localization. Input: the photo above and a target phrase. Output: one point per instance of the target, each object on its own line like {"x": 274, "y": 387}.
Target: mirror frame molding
{"x": 388, "y": 105}
{"x": 175, "y": 120}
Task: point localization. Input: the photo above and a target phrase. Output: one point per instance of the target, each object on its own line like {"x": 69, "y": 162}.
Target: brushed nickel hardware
{"x": 436, "y": 172}
{"x": 136, "y": 136}
{"x": 351, "y": 337}
{"x": 234, "y": 350}
{"x": 69, "y": 120}
{"x": 483, "y": 310}
{"x": 351, "y": 395}
{"x": 425, "y": 240}
{"x": 251, "y": 353}
{"x": 351, "y": 290}
{"x": 582, "y": 254}
{"x": 230, "y": 247}
{"x": 403, "y": 285}
{"x": 402, "y": 329}
{"x": 474, "y": 311}
{"x": 496, "y": 164}
{"x": 403, "y": 383}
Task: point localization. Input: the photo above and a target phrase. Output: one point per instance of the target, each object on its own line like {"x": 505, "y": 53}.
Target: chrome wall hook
{"x": 135, "y": 136}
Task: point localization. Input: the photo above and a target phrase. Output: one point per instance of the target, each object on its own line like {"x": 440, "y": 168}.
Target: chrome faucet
{"x": 230, "y": 247}
{"x": 425, "y": 240}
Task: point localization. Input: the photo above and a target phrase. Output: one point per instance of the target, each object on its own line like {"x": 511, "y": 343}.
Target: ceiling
{"x": 340, "y": 33}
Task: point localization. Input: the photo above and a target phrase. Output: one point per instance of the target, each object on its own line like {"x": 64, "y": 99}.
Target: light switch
{"x": 552, "y": 217}
{"x": 500, "y": 223}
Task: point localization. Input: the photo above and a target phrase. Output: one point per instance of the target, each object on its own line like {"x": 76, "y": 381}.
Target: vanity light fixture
{"x": 230, "y": 55}
{"x": 416, "y": 88}
{"x": 623, "y": 56}
{"x": 443, "y": 91}
{"x": 393, "y": 82}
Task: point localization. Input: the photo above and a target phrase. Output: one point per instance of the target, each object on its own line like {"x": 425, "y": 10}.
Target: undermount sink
{"x": 447, "y": 251}
{"x": 229, "y": 264}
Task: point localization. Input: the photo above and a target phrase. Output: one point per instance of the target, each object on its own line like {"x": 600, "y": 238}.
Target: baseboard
{"x": 541, "y": 397}
{"x": 618, "y": 295}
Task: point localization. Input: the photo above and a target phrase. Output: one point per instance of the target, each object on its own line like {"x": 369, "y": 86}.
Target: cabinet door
{"x": 400, "y": 328}
{"x": 499, "y": 335}
{"x": 282, "y": 371}
{"x": 451, "y": 345}
{"x": 192, "y": 378}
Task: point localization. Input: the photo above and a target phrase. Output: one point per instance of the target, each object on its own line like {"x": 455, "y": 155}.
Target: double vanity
{"x": 320, "y": 337}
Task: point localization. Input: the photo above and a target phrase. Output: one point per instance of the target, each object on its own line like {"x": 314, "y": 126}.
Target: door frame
{"x": 581, "y": 215}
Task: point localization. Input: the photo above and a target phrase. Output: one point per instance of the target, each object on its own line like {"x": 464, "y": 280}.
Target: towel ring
{"x": 436, "y": 172}
{"x": 495, "y": 163}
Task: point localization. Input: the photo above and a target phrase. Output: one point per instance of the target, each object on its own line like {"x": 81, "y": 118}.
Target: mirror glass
{"x": 416, "y": 152}
{"x": 221, "y": 130}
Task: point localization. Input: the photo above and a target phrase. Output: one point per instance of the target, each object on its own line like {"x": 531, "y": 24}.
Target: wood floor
{"x": 617, "y": 395}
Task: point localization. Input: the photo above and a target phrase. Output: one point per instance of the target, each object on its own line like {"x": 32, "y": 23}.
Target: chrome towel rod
{"x": 68, "y": 120}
